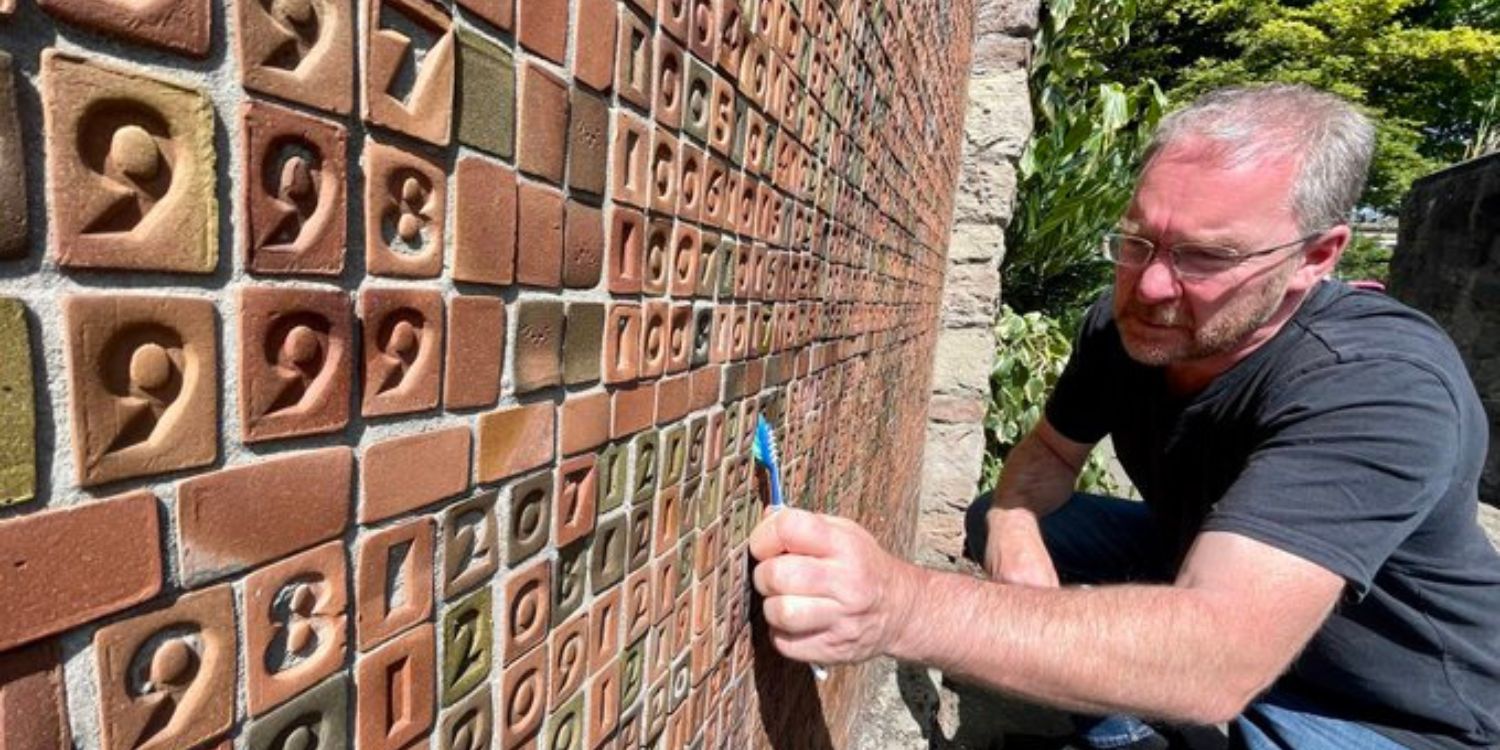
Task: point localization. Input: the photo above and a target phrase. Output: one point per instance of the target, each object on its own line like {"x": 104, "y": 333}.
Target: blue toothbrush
{"x": 763, "y": 449}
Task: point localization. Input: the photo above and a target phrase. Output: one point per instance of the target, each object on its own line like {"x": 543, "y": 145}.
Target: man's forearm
{"x": 1149, "y": 650}
{"x": 1035, "y": 477}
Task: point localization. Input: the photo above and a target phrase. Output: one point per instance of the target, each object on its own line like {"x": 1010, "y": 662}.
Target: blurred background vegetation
{"x": 1103, "y": 73}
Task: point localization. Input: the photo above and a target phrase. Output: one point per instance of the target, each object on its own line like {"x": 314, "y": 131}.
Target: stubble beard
{"x": 1191, "y": 341}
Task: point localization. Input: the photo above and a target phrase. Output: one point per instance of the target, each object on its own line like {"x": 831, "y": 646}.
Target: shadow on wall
{"x": 790, "y": 708}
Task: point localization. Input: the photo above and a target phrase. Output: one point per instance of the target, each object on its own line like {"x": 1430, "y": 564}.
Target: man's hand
{"x": 1015, "y": 552}
{"x": 832, "y": 595}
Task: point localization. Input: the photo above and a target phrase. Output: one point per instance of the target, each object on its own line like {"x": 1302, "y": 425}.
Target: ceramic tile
{"x": 523, "y": 699}
{"x": 166, "y": 677}
{"x": 638, "y": 550}
{"x": 654, "y": 339}
{"x": 634, "y": 407}
{"x": 405, "y": 212}
{"x": 584, "y": 426}
{"x": 607, "y": 557}
{"x": 470, "y": 543}
{"x": 475, "y": 351}
{"x": 583, "y": 246}
{"x": 469, "y": 724}
{"x": 656, "y": 267}
{"x": 690, "y": 176}
{"x": 575, "y": 499}
{"x": 317, "y": 718}
{"x": 614, "y": 463}
{"x": 282, "y": 54}
{"x": 394, "y": 689}
{"x": 604, "y": 702}
{"x": 392, "y": 581}
{"x": 605, "y": 619}
{"x": 582, "y": 343}
{"x": 588, "y": 141}
{"x": 486, "y": 95}
{"x": 293, "y": 186}
{"x": 569, "y": 580}
{"x": 130, "y": 168}
{"x": 501, "y": 13}
{"x": 622, "y": 343}
{"x": 18, "y": 454}
{"x": 698, "y": 100}
{"x": 130, "y": 359}
{"x": 296, "y": 356}
{"x": 664, "y": 172}
{"x": 538, "y": 344}
{"x": 409, "y": 68}
{"x": 542, "y": 138}
{"x": 484, "y": 222}
{"x": 565, "y": 727}
{"x": 634, "y": 54}
{"x": 181, "y": 26}
{"x": 13, "y": 200}
{"x": 528, "y": 607}
{"x": 294, "y": 615}
{"x": 594, "y": 44}
{"x": 631, "y": 148}
{"x": 569, "y": 648}
{"x": 468, "y": 645}
{"x": 529, "y": 521}
{"x": 637, "y": 606}
{"x": 627, "y": 236}
{"x": 542, "y": 27}
{"x": 391, "y": 487}
{"x": 539, "y": 236}
{"x": 679, "y": 338}
{"x": 403, "y": 341}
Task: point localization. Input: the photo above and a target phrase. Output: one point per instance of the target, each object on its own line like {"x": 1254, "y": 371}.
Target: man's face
{"x": 1186, "y": 195}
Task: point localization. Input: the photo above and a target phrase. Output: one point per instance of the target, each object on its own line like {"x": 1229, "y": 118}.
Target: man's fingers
{"x": 791, "y": 575}
{"x": 795, "y": 531}
{"x": 801, "y": 615}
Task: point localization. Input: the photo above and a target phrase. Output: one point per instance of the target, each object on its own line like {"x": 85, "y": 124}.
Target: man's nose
{"x": 1157, "y": 282}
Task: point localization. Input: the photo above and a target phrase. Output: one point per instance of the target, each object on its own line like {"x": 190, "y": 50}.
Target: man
{"x": 1307, "y": 565}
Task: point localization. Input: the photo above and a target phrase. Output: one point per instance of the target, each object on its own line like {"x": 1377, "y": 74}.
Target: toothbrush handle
{"x": 819, "y": 671}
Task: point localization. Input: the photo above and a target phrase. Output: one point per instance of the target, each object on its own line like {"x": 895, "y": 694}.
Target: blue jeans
{"x": 1104, "y": 540}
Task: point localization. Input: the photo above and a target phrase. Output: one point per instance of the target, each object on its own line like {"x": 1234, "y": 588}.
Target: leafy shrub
{"x": 1031, "y": 350}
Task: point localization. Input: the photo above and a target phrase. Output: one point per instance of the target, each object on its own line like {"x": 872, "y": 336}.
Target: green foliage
{"x": 1428, "y": 70}
{"x": 1365, "y": 260}
{"x": 1076, "y": 174}
{"x": 1031, "y": 351}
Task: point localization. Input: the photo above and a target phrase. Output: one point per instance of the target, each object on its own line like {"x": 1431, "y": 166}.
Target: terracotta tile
{"x": 634, "y": 407}
{"x": 409, "y": 68}
{"x": 656, "y": 710}
{"x": 484, "y": 222}
{"x": 528, "y": 607}
{"x": 130, "y": 168}
{"x": 294, "y": 175}
{"x": 604, "y": 703}
{"x": 405, "y": 212}
{"x": 468, "y": 645}
{"x": 238, "y": 518}
{"x": 584, "y": 423}
{"x": 565, "y": 727}
{"x": 569, "y": 581}
{"x": 543, "y": 134}
{"x": 317, "y": 716}
{"x": 501, "y": 13}
{"x": 583, "y": 247}
{"x": 281, "y": 54}
{"x": 470, "y": 543}
{"x": 634, "y": 55}
{"x": 486, "y": 95}
{"x": 690, "y": 181}
{"x": 569, "y": 646}
{"x": 669, "y": 72}
{"x": 187, "y": 694}
{"x": 626, "y": 249}
{"x": 394, "y": 689}
{"x": 698, "y": 100}
{"x": 702, "y": 346}
{"x": 32, "y": 699}
{"x": 514, "y": 439}
{"x": 523, "y": 701}
{"x": 294, "y": 614}
{"x": 18, "y": 406}
{"x": 14, "y": 242}
{"x": 663, "y": 181}
{"x": 66, "y": 590}
{"x": 296, "y": 355}
{"x": 614, "y": 462}
{"x": 729, "y": 257}
{"x": 576, "y": 499}
{"x": 702, "y": 31}
{"x": 686, "y": 256}
{"x": 530, "y": 520}
{"x": 539, "y": 240}
{"x": 656, "y": 267}
{"x": 659, "y": 659}
{"x": 622, "y": 344}
{"x": 178, "y": 25}
{"x": 632, "y": 148}
{"x": 674, "y": 450}
{"x": 642, "y": 521}
{"x": 403, "y": 342}
{"x": 594, "y": 44}
{"x": 405, "y": 473}
{"x": 674, "y": 398}
{"x": 606, "y": 615}
{"x": 539, "y": 344}
{"x": 469, "y": 724}
{"x": 392, "y": 581}
{"x": 668, "y": 519}
{"x": 475, "y": 353}
{"x": 130, "y": 358}
{"x": 654, "y": 339}
{"x": 679, "y": 338}
{"x": 733, "y": 30}
{"x": 542, "y": 27}
{"x": 721, "y": 117}
{"x": 673, "y": 17}
{"x": 588, "y": 141}
{"x": 582, "y": 342}
{"x": 632, "y": 665}
{"x": 636, "y": 609}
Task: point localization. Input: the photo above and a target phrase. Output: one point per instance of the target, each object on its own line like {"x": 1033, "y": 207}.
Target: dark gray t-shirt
{"x": 1353, "y": 439}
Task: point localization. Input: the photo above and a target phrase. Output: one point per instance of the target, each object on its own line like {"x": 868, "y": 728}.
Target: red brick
{"x": 575, "y": 501}
{"x": 313, "y": 586}
{"x": 395, "y": 691}
{"x": 635, "y": 408}
{"x": 583, "y": 246}
{"x": 484, "y": 222}
{"x": 32, "y": 702}
{"x": 65, "y": 567}
{"x": 539, "y": 238}
{"x": 705, "y": 387}
{"x": 406, "y": 473}
{"x": 542, "y": 27}
{"x": 594, "y": 44}
{"x": 515, "y": 439}
{"x": 375, "y": 619}
{"x": 238, "y": 518}
{"x": 585, "y": 422}
{"x": 674, "y": 398}
{"x": 476, "y": 348}
{"x": 542, "y": 134}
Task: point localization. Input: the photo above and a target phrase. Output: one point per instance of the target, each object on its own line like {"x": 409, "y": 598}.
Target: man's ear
{"x": 1322, "y": 255}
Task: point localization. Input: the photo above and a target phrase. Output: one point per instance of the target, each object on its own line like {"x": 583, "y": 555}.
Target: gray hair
{"x": 1331, "y": 140}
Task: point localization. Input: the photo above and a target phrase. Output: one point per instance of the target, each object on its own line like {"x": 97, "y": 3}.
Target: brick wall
{"x": 379, "y": 374}
{"x": 1447, "y": 264}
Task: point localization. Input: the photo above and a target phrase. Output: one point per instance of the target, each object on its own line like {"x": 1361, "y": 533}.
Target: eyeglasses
{"x": 1189, "y": 260}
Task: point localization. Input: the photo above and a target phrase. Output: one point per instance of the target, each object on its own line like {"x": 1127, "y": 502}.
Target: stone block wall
{"x": 1447, "y": 264}
{"x": 380, "y": 374}
{"x": 996, "y": 128}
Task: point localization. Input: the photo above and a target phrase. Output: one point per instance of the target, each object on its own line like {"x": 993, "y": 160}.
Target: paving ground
{"x": 916, "y": 708}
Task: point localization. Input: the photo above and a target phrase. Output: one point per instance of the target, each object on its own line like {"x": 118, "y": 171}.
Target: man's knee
{"x": 976, "y": 530}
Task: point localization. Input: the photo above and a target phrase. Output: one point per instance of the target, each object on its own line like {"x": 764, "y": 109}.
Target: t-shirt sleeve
{"x": 1356, "y": 454}
{"x": 1078, "y": 406}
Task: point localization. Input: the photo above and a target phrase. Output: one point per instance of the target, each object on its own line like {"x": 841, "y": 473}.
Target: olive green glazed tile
{"x": 487, "y": 96}
{"x": 17, "y": 407}
{"x": 468, "y": 644}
